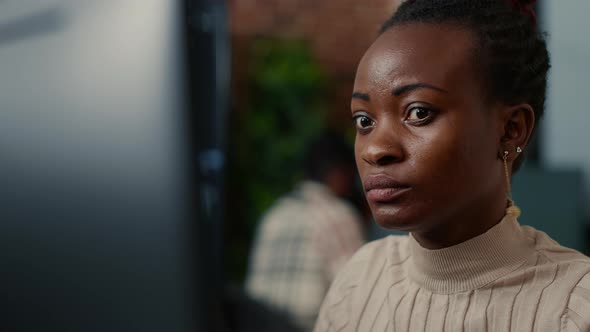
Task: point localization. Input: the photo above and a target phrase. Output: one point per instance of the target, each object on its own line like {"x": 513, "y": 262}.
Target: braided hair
{"x": 511, "y": 53}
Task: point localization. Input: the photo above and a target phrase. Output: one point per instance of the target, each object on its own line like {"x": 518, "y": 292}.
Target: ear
{"x": 518, "y": 122}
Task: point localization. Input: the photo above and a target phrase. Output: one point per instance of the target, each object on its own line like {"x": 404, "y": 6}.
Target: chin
{"x": 399, "y": 218}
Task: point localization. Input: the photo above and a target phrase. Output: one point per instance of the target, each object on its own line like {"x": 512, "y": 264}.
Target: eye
{"x": 363, "y": 122}
{"x": 419, "y": 114}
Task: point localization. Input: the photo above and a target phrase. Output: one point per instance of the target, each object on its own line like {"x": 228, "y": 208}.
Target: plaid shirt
{"x": 301, "y": 243}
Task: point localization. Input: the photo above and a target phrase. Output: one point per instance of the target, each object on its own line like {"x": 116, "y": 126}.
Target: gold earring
{"x": 508, "y": 189}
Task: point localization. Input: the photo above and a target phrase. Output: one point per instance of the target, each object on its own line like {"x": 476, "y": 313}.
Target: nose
{"x": 382, "y": 147}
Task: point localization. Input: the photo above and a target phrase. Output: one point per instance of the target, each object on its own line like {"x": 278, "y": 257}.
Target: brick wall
{"x": 338, "y": 32}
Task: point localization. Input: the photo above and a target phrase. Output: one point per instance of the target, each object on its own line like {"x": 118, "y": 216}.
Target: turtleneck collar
{"x": 473, "y": 263}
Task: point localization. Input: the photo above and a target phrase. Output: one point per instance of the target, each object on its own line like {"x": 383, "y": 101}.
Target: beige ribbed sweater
{"x": 511, "y": 278}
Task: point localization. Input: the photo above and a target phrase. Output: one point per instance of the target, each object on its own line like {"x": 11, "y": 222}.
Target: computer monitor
{"x": 97, "y": 217}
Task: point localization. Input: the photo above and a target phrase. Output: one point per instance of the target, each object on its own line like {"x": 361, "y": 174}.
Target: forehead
{"x": 437, "y": 54}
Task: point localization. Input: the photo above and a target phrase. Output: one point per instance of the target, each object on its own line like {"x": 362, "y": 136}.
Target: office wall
{"x": 566, "y": 136}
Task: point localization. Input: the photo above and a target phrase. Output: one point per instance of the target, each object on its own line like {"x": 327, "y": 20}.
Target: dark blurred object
{"x": 244, "y": 314}
{"x": 209, "y": 75}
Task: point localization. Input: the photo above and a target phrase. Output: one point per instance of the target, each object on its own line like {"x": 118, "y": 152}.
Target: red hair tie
{"x": 527, "y": 7}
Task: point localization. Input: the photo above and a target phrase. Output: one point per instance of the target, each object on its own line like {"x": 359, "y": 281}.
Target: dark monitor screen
{"x": 96, "y": 225}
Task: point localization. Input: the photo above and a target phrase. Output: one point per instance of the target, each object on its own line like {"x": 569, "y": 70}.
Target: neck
{"x": 475, "y": 262}
{"x": 470, "y": 222}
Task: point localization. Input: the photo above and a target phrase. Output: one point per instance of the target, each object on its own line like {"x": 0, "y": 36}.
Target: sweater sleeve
{"x": 577, "y": 315}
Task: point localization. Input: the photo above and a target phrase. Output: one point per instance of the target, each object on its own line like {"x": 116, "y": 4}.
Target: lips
{"x": 383, "y": 189}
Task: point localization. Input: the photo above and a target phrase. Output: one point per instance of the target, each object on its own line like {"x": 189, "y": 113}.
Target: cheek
{"x": 453, "y": 158}
{"x": 358, "y": 146}
{"x": 434, "y": 161}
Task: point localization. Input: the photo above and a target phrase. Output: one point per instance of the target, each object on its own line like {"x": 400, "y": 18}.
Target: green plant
{"x": 268, "y": 137}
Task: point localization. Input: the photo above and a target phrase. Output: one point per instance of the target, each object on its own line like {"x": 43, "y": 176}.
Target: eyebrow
{"x": 407, "y": 88}
{"x": 401, "y": 90}
{"x": 360, "y": 95}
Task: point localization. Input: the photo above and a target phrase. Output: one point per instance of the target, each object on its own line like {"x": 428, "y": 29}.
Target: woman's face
{"x": 427, "y": 144}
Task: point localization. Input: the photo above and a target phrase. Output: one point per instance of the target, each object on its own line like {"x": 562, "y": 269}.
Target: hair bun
{"x": 527, "y": 7}
{"x": 527, "y": 2}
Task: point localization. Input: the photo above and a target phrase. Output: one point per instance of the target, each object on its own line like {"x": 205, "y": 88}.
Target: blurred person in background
{"x": 445, "y": 103}
{"x": 308, "y": 235}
